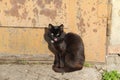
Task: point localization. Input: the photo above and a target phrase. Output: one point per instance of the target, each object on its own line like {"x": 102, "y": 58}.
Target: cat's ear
{"x": 50, "y": 26}
{"x": 61, "y": 26}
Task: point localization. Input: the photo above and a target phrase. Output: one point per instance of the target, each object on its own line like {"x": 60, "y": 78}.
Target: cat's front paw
{"x": 56, "y": 65}
{"x": 57, "y": 69}
{"x": 61, "y": 65}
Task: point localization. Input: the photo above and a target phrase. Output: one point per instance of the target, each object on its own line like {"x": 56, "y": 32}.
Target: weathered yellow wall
{"x": 84, "y": 17}
{"x": 89, "y": 20}
{"x": 22, "y": 41}
{"x": 32, "y": 13}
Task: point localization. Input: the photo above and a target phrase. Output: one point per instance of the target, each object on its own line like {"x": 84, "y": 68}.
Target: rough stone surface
{"x": 44, "y": 72}
{"x": 113, "y": 62}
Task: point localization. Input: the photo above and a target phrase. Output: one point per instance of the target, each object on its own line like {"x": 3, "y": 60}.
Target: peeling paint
{"x": 35, "y": 10}
{"x": 93, "y": 9}
{"x": 23, "y": 11}
{"x": 58, "y": 3}
{"x": 99, "y": 24}
{"x": 81, "y": 26}
{"x": 34, "y": 22}
{"x": 13, "y": 11}
{"x": 15, "y": 2}
{"x": 88, "y": 24}
{"x": 103, "y": 21}
{"x": 90, "y": 30}
{"x": 82, "y": 31}
{"x": 49, "y": 13}
{"x": 40, "y": 3}
{"x": 81, "y": 13}
{"x": 29, "y": 18}
{"x": 41, "y": 12}
{"x": 48, "y": 1}
{"x": 95, "y": 23}
{"x": 85, "y": 12}
{"x": 24, "y": 14}
{"x": 5, "y": 3}
{"x": 81, "y": 23}
{"x": 95, "y": 30}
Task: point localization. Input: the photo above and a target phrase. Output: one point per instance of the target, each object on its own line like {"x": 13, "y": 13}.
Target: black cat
{"x": 68, "y": 49}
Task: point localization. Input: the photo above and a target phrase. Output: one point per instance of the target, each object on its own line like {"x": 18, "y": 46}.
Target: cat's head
{"x": 55, "y": 32}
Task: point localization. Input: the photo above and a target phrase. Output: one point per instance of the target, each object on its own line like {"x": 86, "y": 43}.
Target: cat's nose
{"x": 55, "y": 39}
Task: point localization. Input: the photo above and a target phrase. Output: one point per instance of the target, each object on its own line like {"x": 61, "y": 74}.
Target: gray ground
{"x": 44, "y": 72}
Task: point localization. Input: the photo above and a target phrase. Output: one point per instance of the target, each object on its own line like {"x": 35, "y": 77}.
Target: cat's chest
{"x": 61, "y": 46}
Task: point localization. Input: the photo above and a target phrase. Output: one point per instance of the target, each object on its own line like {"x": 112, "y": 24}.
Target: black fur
{"x": 68, "y": 49}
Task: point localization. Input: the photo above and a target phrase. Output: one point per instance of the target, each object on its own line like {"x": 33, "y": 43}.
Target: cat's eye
{"x": 58, "y": 34}
{"x": 52, "y": 34}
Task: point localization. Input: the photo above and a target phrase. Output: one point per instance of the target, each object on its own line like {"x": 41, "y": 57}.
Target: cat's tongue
{"x": 55, "y": 39}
